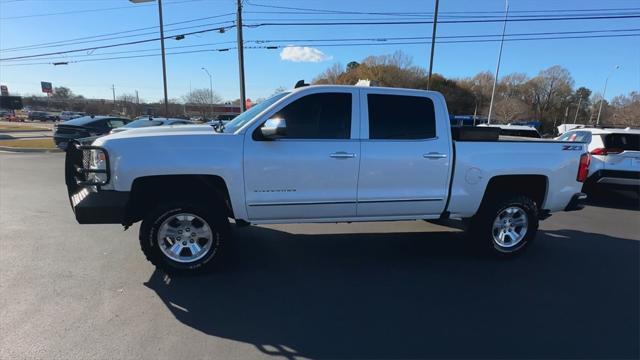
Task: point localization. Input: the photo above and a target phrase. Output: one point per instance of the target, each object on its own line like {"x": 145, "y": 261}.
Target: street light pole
{"x": 210, "y": 90}
{"x": 164, "y": 62}
{"x": 495, "y": 80}
{"x": 575, "y": 118}
{"x": 604, "y": 91}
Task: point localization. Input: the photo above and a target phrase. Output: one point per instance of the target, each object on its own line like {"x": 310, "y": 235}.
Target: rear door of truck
{"x": 405, "y": 153}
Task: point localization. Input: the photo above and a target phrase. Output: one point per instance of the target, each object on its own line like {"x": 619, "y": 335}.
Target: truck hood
{"x": 156, "y": 131}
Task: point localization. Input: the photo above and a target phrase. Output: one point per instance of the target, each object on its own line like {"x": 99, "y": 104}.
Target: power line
{"x": 274, "y": 47}
{"x": 441, "y": 22}
{"x": 332, "y": 11}
{"x": 126, "y": 51}
{"x": 46, "y": 44}
{"x": 115, "y": 45}
{"x": 129, "y": 36}
{"x": 421, "y": 17}
{"x": 89, "y": 10}
{"x": 374, "y": 39}
{"x": 443, "y": 36}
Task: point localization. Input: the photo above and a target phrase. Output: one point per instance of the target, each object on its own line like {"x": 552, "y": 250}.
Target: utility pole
{"x": 433, "y": 43}
{"x": 495, "y": 80}
{"x": 164, "y": 61}
{"x": 575, "y": 118}
{"x": 243, "y": 105}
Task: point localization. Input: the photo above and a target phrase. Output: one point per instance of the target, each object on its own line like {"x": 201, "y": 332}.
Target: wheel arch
{"x": 148, "y": 191}
{"x": 533, "y": 186}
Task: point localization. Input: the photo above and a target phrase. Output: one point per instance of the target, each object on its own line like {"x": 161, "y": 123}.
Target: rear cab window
{"x": 400, "y": 117}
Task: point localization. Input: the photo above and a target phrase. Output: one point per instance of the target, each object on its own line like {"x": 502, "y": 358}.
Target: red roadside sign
{"x": 46, "y": 87}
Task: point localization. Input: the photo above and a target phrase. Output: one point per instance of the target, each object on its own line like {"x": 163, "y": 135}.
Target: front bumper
{"x": 576, "y": 202}
{"x": 99, "y": 207}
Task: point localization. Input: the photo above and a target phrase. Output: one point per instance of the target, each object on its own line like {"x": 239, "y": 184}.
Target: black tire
{"x": 481, "y": 228}
{"x": 150, "y": 244}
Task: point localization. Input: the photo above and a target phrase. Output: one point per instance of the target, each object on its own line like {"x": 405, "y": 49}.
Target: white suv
{"x": 70, "y": 115}
{"x": 615, "y": 155}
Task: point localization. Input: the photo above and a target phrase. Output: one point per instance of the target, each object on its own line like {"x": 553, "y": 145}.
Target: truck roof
{"x": 329, "y": 87}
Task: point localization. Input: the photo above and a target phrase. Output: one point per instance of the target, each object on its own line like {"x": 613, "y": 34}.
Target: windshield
{"x": 143, "y": 123}
{"x": 242, "y": 119}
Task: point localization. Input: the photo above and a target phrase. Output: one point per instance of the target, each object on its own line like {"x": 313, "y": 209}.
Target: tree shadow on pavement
{"x": 416, "y": 295}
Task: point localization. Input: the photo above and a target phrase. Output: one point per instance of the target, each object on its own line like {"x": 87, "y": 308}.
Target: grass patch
{"x": 20, "y": 127}
{"x": 29, "y": 143}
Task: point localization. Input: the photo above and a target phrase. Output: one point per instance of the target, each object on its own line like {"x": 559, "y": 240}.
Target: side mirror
{"x": 274, "y": 128}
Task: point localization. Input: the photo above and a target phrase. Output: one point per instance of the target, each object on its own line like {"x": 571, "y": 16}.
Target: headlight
{"x": 97, "y": 160}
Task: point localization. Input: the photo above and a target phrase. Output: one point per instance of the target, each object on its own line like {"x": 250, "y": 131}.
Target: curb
{"x": 25, "y": 130}
{"x": 28, "y": 150}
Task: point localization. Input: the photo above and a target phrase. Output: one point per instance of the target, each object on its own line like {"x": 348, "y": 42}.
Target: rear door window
{"x": 400, "y": 117}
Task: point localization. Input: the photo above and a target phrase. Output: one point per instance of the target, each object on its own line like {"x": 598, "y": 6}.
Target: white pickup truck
{"x": 321, "y": 154}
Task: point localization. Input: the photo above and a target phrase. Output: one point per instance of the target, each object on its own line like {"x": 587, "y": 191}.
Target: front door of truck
{"x": 312, "y": 171}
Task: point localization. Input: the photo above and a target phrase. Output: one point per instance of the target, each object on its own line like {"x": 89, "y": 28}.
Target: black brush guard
{"x": 90, "y": 204}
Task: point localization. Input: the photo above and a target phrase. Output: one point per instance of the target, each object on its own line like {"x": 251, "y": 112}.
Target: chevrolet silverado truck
{"x": 321, "y": 154}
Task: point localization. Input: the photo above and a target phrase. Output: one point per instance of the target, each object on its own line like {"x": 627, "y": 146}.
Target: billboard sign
{"x": 46, "y": 87}
{"x": 4, "y": 90}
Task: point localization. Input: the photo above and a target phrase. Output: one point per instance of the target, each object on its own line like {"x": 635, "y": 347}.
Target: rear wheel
{"x": 505, "y": 227}
{"x": 185, "y": 239}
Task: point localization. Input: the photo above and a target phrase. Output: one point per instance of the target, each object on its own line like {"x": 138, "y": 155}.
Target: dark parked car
{"x": 43, "y": 116}
{"x": 148, "y": 121}
{"x": 85, "y": 126}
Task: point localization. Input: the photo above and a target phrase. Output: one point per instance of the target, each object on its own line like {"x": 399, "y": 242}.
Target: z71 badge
{"x": 571, "y": 147}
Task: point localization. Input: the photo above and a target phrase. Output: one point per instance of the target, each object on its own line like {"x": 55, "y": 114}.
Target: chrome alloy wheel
{"x": 510, "y": 227}
{"x": 185, "y": 237}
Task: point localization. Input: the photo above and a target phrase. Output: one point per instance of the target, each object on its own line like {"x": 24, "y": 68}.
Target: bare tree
{"x": 330, "y": 76}
{"x": 127, "y": 102}
{"x": 626, "y": 110}
{"x": 203, "y": 99}
{"x": 509, "y": 109}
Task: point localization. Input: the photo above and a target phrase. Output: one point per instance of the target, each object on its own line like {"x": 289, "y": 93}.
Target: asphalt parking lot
{"x": 383, "y": 290}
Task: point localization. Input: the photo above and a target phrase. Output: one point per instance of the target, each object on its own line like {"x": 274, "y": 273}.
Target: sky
{"x": 32, "y": 22}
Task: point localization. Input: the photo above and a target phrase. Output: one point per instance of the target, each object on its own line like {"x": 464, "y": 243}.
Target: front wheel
{"x": 183, "y": 239}
{"x": 505, "y": 227}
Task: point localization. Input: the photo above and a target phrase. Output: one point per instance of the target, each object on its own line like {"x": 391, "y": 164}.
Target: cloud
{"x": 303, "y": 54}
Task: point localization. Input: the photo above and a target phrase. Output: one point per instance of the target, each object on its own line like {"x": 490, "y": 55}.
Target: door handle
{"x": 434, "y": 155}
{"x": 342, "y": 155}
